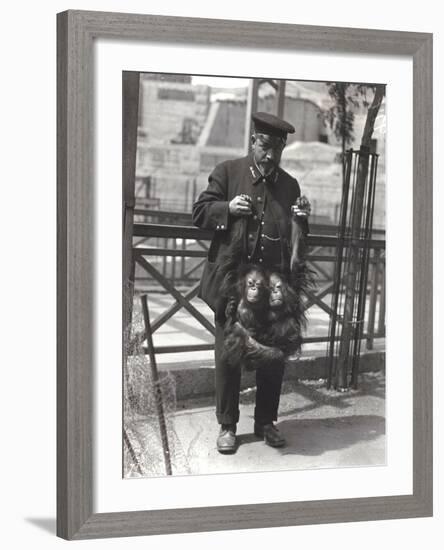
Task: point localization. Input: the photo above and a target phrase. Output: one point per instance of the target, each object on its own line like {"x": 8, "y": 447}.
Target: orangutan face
{"x": 255, "y": 287}
{"x": 276, "y": 292}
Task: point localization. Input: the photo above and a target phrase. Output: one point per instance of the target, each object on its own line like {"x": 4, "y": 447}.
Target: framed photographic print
{"x": 162, "y": 122}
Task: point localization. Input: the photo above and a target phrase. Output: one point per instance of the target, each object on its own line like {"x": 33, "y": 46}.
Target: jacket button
{"x": 222, "y": 226}
{"x": 259, "y": 199}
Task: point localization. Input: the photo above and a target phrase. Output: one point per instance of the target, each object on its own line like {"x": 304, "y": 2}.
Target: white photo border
{"x": 112, "y": 493}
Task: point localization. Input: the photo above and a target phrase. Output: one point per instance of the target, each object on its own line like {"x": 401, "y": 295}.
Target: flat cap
{"x": 264, "y": 123}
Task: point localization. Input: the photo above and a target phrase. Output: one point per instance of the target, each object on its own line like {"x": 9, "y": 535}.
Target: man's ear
{"x": 253, "y": 139}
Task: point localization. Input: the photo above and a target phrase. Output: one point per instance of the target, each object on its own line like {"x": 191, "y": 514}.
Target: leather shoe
{"x": 270, "y": 434}
{"x": 226, "y": 440}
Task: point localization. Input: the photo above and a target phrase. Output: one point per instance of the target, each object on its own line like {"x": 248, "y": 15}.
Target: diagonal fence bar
{"x": 176, "y": 294}
{"x": 197, "y": 236}
{"x": 158, "y": 398}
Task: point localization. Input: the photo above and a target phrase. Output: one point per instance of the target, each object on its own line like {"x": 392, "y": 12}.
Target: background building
{"x": 185, "y": 129}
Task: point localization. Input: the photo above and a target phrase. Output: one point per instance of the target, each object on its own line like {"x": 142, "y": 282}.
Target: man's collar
{"x": 257, "y": 175}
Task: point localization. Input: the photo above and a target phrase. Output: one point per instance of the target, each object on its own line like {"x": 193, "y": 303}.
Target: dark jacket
{"x": 211, "y": 211}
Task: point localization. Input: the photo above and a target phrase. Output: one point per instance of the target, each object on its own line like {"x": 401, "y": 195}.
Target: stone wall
{"x": 182, "y": 136}
{"x": 165, "y": 106}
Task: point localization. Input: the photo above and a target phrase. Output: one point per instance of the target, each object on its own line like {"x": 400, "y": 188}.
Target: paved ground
{"x": 324, "y": 429}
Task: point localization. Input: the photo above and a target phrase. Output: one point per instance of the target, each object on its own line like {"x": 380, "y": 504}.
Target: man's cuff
{"x": 220, "y": 215}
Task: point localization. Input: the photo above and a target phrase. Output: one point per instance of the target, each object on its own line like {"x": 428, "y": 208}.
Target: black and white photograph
{"x": 221, "y": 285}
{"x": 253, "y": 276}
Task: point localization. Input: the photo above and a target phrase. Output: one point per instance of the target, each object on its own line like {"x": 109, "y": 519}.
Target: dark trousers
{"x": 268, "y": 384}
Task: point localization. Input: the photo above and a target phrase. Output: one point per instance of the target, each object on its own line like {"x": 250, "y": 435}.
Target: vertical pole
{"x": 182, "y": 265}
{"x": 173, "y": 261}
{"x": 381, "y": 320}
{"x": 164, "y": 258}
{"x": 156, "y": 386}
{"x": 360, "y": 315}
{"x": 252, "y": 104}
{"x": 130, "y": 108}
{"x": 353, "y": 269}
{"x": 187, "y": 196}
{"x": 353, "y": 265}
{"x": 148, "y": 187}
{"x": 338, "y": 267}
{"x": 362, "y": 301}
{"x": 373, "y": 300}
{"x": 281, "y": 99}
{"x": 194, "y": 193}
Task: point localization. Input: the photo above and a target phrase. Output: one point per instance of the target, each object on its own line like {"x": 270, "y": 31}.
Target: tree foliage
{"x": 347, "y": 100}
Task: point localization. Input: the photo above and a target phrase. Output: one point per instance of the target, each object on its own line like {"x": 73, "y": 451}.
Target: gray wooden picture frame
{"x": 76, "y": 32}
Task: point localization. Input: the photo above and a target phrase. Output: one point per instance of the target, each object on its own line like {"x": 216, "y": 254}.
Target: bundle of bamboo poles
{"x": 351, "y": 268}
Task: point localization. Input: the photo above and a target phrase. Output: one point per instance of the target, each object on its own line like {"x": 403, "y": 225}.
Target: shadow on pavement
{"x": 315, "y": 394}
{"x": 319, "y": 435}
{"x": 245, "y": 439}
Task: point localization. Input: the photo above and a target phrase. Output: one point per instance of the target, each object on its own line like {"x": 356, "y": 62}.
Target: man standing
{"x": 251, "y": 198}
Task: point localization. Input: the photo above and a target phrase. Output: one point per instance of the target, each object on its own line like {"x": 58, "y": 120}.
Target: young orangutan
{"x": 247, "y": 322}
{"x": 286, "y": 318}
{"x": 264, "y": 315}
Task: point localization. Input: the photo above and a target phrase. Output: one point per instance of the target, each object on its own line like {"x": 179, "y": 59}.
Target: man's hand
{"x": 302, "y": 207}
{"x": 240, "y": 206}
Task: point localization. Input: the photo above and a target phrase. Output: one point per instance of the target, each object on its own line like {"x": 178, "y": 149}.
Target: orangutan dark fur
{"x": 286, "y": 317}
{"x": 247, "y": 321}
{"x": 267, "y": 330}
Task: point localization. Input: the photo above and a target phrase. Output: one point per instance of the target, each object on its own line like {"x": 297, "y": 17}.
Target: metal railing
{"x": 170, "y": 257}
